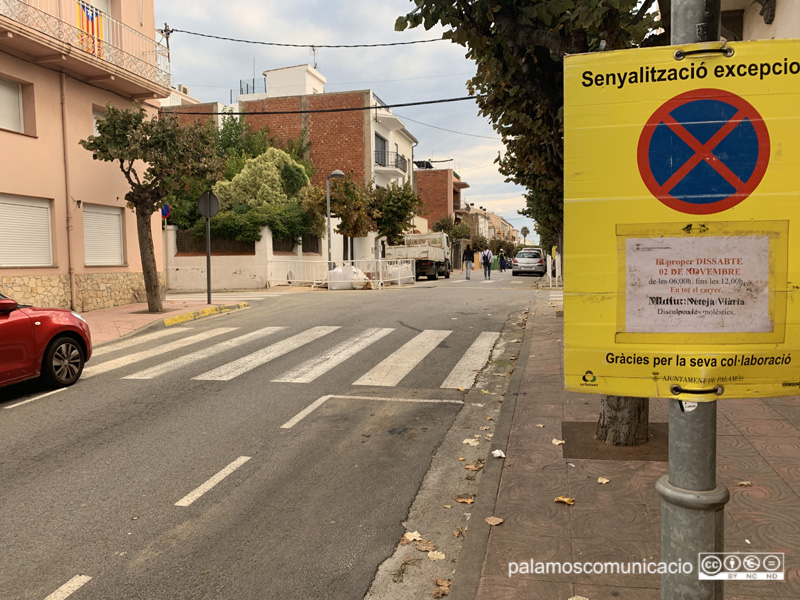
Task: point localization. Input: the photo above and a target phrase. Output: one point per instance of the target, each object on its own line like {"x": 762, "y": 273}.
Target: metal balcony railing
{"x": 391, "y": 159}
{"x": 86, "y": 28}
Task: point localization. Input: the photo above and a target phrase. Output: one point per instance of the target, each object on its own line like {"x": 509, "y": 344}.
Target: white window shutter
{"x": 25, "y": 234}
{"x": 11, "y": 106}
{"x": 102, "y": 236}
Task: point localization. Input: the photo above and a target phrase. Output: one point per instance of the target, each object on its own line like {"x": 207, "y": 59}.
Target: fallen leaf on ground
{"x": 557, "y": 442}
{"x": 464, "y": 499}
{"x": 471, "y": 442}
{"x": 436, "y": 555}
{"x": 485, "y": 392}
{"x": 461, "y": 458}
{"x": 493, "y": 520}
{"x": 412, "y": 536}
{"x": 461, "y": 389}
{"x": 498, "y": 453}
{"x": 426, "y": 545}
{"x": 458, "y": 532}
{"x": 578, "y": 598}
{"x": 489, "y": 418}
{"x": 744, "y": 484}
{"x": 489, "y": 436}
{"x": 442, "y": 588}
{"x": 400, "y": 572}
{"x": 540, "y": 426}
{"x": 565, "y": 500}
{"x": 477, "y": 435}
{"x": 603, "y": 480}
{"x": 476, "y": 466}
{"x": 485, "y": 428}
{"x": 447, "y": 506}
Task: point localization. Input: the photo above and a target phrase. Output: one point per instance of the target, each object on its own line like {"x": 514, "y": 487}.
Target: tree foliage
{"x": 455, "y": 231}
{"x": 268, "y": 191}
{"x": 395, "y": 207}
{"x": 518, "y": 47}
{"x": 158, "y": 158}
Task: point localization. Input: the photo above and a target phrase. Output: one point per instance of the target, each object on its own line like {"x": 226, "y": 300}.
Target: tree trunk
{"x": 148, "y": 255}
{"x": 623, "y": 420}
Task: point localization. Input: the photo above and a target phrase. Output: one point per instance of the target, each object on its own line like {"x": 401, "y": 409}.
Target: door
{"x": 17, "y": 347}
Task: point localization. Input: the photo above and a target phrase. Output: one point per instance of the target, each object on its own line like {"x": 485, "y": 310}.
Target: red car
{"x": 49, "y": 342}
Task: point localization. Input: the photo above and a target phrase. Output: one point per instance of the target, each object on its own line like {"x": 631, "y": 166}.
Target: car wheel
{"x": 447, "y": 271}
{"x": 63, "y": 362}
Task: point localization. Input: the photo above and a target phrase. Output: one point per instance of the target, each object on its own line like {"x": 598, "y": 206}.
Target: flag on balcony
{"x": 90, "y": 21}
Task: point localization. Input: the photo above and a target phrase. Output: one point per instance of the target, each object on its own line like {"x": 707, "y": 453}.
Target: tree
{"x": 395, "y": 207}
{"x": 524, "y": 232}
{"x": 158, "y": 157}
{"x": 269, "y": 191}
{"x": 455, "y": 231}
{"x": 518, "y": 47}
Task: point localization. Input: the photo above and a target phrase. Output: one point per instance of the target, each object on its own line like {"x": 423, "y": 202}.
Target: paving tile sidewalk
{"x": 758, "y": 441}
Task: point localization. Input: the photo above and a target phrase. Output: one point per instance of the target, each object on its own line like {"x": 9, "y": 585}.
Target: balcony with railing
{"x": 86, "y": 43}
{"x": 390, "y": 161}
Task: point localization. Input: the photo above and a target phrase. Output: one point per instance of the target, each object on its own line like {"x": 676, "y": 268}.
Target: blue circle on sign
{"x": 704, "y": 151}
{"x": 166, "y": 211}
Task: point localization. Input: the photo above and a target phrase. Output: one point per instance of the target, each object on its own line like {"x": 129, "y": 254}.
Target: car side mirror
{"x": 7, "y": 305}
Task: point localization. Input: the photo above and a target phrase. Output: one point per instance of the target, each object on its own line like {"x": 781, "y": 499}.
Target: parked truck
{"x": 430, "y": 252}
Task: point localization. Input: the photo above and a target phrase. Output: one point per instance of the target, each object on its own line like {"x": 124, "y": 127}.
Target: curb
{"x": 200, "y": 314}
{"x": 470, "y": 561}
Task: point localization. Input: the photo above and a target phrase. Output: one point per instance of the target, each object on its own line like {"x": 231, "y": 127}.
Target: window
{"x": 11, "y": 106}
{"x": 97, "y": 114}
{"x": 102, "y": 236}
{"x": 25, "y": 234}
{"x": 380, "y": 151}
{"x": 311, "y": 243}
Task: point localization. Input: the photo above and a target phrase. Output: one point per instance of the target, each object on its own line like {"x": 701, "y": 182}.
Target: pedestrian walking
{"x": 501, "y": 260}
{"x": 468, "y": 257}
{"x": 486, "y": 260}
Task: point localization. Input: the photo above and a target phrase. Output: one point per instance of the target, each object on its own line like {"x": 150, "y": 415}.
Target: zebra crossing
{"x": 388, "y": 372}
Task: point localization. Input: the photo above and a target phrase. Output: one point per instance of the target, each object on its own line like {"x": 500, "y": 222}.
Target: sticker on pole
{"x": 704, "y": 151}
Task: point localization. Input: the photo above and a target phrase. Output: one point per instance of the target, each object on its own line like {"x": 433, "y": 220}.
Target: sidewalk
{"x": 758, "y": 442}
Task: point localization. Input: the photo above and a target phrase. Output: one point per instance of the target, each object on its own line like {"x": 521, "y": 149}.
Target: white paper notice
{"x": 709, "y": 284}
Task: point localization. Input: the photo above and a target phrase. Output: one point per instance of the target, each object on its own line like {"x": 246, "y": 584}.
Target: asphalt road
{"x": 273, "y": 452}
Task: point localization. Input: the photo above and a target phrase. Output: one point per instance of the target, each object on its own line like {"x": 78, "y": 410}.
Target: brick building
{"x": 440, "y": 192}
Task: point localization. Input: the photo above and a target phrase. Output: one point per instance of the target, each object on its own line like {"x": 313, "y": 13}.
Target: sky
{"x": 412, "y": 73}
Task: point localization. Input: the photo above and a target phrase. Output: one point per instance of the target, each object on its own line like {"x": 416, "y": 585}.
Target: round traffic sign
{"x": 703, "y": 151}
{"x": 166, "y": 211}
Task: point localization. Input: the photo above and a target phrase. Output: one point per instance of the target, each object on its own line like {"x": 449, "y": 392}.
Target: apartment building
{"x": 439, "y": 190}
{"x": 66, "y": 237}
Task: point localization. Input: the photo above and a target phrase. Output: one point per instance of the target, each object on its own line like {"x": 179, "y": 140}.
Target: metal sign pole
{"x": 692, "y": 504}
{"x": 208, "y": 258}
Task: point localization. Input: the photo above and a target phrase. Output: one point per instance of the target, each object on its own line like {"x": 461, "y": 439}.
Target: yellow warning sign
{"x": 682, "y": 221}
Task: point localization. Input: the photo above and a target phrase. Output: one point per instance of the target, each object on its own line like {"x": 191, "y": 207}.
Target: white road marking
{"x": 263, "y": 356}
{"x": 34, "y": 398}
{"x": 311, "y": 369}
{"x": 156, "y": 351}
{"x": 68, "y": 588}
{"x": 400, "y": 363}
{"x": 320, "y": 401}
{"x": 488, "y": 281}
{"x": 136, "y": 341}
{"x": 463, "y": 374}
{"x": 183, "y": 361}
{"x": 199, "y": 491}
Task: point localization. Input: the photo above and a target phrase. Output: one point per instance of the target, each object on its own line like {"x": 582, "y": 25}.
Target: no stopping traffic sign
{"x": 703, "y": 151}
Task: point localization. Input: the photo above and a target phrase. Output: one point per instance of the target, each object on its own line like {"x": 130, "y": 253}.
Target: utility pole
{"x": 692, "y": 504}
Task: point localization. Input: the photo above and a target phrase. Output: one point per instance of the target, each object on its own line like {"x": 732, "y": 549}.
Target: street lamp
{"x": 336, "y": 173}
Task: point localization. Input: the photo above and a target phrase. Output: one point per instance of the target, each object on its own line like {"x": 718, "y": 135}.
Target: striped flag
{"x": 90, "y": 20}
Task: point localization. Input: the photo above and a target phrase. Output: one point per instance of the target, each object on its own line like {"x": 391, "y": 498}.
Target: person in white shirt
{"x": 486, "y": 260}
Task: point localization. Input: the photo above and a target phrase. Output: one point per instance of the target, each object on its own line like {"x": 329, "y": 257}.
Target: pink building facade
{"x": 66, "y": 237}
